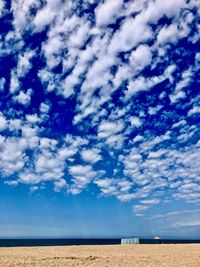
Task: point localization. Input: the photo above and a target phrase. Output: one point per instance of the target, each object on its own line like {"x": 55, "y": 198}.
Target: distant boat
{"x": 157, "y": 238}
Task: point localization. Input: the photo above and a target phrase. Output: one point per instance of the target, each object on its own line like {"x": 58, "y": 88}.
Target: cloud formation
{"x": 104, "y": 94}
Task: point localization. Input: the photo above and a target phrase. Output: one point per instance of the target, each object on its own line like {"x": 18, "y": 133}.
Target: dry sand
{"x": 103, "y": 256}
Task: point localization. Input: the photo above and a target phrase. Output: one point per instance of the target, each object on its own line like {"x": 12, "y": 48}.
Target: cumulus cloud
{"x": 3, "y": 122}
{"x": 14, "y": 82}
{"x": 24, "y": 64}
{"x": 135, "y": 121}
{"x": 2, "y": 4}
{"x": 107, "y": 128}
{"x": 107, "y": 12}
{"x": 23, "y": 98}
{"x": 132, "y": 32}
{"x": 82, "y": 175}
{"x": 177, "y": 96}
{"x": 168, "y": 34}
{"x": 46, "y": 14}
{"x": 194, "y": 111}
{"x": 158, "y": 9}
{"x": 12, "y": 156}
{"x": 113, "y": 99}
{"x": 91, "y": 155}
{"x": 2, "y": 83}
{"x": 44, "y": 107}
{"x": 141, "y": 57}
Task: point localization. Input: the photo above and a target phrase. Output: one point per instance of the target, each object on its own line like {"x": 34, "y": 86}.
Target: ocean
{"x": 71, "y": 242}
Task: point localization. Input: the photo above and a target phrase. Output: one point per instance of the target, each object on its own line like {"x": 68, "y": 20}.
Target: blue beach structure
{"x": 131, "y": 240}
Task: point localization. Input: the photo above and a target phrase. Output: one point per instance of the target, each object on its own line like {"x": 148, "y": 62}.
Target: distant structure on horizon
{"x": 136, "y": 240}
{"x": 132, "y": 240}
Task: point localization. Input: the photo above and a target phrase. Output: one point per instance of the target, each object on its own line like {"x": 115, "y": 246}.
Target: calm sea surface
{"x": 68, "y": 242}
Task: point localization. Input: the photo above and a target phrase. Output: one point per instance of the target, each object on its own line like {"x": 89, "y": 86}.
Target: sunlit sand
{"x": 103, "y": 256}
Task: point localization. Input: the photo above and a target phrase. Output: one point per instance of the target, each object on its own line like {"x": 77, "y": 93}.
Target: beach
{"x": 103, "y": 256}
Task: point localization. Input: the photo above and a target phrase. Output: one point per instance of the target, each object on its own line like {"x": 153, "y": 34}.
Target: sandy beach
{"x": 103, "y": 256}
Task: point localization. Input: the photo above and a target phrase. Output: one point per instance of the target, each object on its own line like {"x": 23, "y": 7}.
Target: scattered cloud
{"x": 91, "y": 155}
{"x": 3, "y": 122}
{"x": 102, "y": 93}
{"x": 24, "y": 98}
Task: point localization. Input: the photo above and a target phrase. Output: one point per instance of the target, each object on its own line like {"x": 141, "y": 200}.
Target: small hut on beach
{"x": 131, "y": 240}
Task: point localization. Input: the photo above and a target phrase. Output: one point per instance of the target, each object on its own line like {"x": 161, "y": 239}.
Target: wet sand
{"x": 103, "y": 256}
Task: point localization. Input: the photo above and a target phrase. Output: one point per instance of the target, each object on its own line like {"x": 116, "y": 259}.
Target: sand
{"x": 103, "y": 256}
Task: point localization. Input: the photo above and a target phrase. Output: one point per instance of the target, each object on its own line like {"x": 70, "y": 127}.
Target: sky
{"x": 99, "y": 118}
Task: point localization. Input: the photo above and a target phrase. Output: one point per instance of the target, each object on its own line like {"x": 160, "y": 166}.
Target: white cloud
{"x": 102, "y": 68}
{"x": 150, "y": 201}
{"x": 14, "y": 82}
{"x": 32, "y": 118}
{"x": 168, "y": 34}
{"x": 82, "y": 176}
{"x": 154, "y": 110}
{"x": 44, "y": 107}
{"x": 2, "y": 3}
{"x": 2, "y": 83}
{"x": 78, "y": 38}
{"x": 143, "y": 84}
{"x": 177, "y": 219}
{"x": 104, "y": 183}
{"x": 91, "y": 155}
{"x": 141, "y": 57}
{"x": 21, "y": 14}
{"x": 158, "y": 9}
{"x": 144, "y": 205}
{"x": 132, "y": 32}
{"x": 138, "y": 209}
{"x": 194, "y": 111}
{"x": 49, "y": 161}
{"x": 126, "y": 197}
{"x": 135, "y": 121}
{"x": 79, "y": 170}
{"x": 24, "y": 64}
{"x": 123, "y": 73}
{"x": 100, "y": 71}
{"x": 115, "y": 141}
{"x": 24, "y": 98}
{"x": 186, "y": 79}
{"x": 107, "y": 186}
{"x": 68, "y": 87}
{"x": 67, "y": 153}
{"x": 3, "y": 122}
{"x": 59, "y": 185}
{"x": 45, "y": 75}
{"x": 177, "y": 96}
{"x": 107, "y": 128}
{"x": 187, "y": 224}
{"x": 12, "y": 156}
{"x": 174, "y": 214}
{"x": 52, "y": 46}
{"x": 156, "y": 172}
{"x": 11, "y": 183}
{"x": 107, "y": 12}
{"x": 46, "y": 15}
{"x": 183, "y": 83}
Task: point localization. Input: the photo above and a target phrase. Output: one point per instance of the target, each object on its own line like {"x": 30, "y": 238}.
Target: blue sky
{"x": 99, "y": 118}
